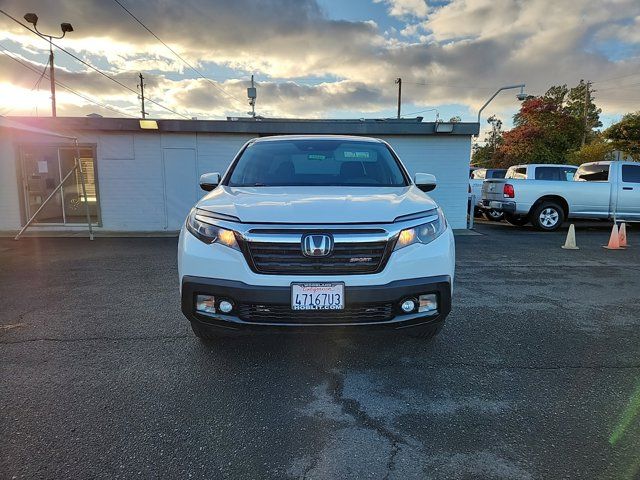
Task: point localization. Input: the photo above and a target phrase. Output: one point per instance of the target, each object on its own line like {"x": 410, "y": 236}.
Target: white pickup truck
{"x": 603, "y": 190}
{"x": 542, "y": 171}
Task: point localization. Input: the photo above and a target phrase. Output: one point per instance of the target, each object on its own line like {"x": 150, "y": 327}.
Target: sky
{"x": 320, "y": 58}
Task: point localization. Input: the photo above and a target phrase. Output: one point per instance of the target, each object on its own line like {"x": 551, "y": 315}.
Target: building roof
{"x": 371, "y": 127}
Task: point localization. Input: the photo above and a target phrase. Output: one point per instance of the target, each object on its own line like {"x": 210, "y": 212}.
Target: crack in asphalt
{"x": 430, "y": 366}
{"x": 96, "y": 339}
{"x": 353, "y": 408}
{"x": 391, "y": 464}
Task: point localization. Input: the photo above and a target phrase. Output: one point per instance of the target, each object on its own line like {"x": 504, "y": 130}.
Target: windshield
{"x": 317, "y": 163}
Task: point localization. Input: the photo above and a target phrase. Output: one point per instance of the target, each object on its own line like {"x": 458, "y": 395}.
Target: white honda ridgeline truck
{"x": 604, "y": 190}
{"x": 316, "y": 232}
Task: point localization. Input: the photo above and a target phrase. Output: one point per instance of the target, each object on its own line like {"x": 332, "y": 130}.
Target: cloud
{"x": 406, "y": 8}
{"x": 309, "y": 64}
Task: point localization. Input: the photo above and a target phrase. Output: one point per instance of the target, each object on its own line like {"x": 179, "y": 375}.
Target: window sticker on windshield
{"x": 356, "y": 154}
{"x": 316, "y": 156}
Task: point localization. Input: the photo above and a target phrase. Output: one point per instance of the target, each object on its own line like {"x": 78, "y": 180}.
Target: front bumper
{"x": 280, "y": 296}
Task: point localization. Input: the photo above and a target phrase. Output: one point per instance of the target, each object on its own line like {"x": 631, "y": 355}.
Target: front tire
{"x": 516, "y": 220}
{"x": 426, "y": 332}
{"x": 493, "y": 215}
{"x": 548, "y": 216}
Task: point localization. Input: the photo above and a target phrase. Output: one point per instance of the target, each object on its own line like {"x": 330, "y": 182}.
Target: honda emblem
{"x": 317, "y": 245}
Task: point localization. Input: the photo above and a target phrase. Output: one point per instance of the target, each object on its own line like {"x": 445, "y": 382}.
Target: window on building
{"x": 43, "y": 168}
{"x": 631, "y": 173}
{"x": 595, "y": 172}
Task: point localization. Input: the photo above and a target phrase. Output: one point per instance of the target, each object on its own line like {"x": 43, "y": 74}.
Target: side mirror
{"x": 425, "y": 181}
{"x": 209, "y": 181}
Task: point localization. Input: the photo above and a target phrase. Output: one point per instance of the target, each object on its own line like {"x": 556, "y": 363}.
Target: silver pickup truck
{"x": 604, "y": 190}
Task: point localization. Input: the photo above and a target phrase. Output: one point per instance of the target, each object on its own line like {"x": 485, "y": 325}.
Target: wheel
{"x": 516, "y": 220}
{"x": 493, "y": 215}
{"x": 426, "y": 332}
{"x": 548, "y": 216}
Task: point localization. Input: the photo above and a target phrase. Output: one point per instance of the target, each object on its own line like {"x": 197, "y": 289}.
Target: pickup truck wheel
{"x": 425, "y": 332}
{"x": 516, "y": 220}
{"x": 493, "y": 215}
{"x": 547, "y": 216}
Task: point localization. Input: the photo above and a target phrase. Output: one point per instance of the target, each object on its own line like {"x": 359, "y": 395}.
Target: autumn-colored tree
{"x": 625, "y": 135}
{"x": 544, "y": 132}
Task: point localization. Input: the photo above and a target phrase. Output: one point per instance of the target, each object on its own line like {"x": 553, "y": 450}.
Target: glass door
{"x": 73, "y": 197}
{"x": 41, "y": 175}
{"x": 43, "y": 168}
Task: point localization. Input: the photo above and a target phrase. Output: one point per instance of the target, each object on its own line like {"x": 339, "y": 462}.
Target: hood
{"x": 316, "y": 204}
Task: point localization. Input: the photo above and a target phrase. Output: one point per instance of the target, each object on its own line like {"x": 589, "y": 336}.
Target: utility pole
{"x": 52, "y": 78}
{"x": 587, "y": 101}
{"x": 399, "y": 82}
{"x": 252, "y": 94}
{"x": 32, "y": 18}
{"x": 144, "y": 114}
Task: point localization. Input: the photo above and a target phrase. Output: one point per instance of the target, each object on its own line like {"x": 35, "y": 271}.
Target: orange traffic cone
{"x": 622, "y": 235}
{"x": 614, "y": 239}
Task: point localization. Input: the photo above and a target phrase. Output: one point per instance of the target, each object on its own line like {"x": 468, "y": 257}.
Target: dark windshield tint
{"x": 631, "y": 173}
{"x": 496, "y": 173}
{"x": 316, "y": 162}
{"x": 561, "y": 174}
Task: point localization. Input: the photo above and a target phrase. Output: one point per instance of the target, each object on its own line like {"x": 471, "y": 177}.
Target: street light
{"x": 32, "y": 18}
{"x": 520, "y": 96}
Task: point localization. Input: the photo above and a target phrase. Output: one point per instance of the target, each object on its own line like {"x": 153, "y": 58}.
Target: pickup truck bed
{"x": 546, "y": 204}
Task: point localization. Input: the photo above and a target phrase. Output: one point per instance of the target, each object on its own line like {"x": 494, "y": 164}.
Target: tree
{"x": 557, "y": 94}
{"x": 599, "y": 149}
{"x": 580, "y": 102}
{"x": 485, "y": 154}
{"x": 544, "y": 132}
{"x": 625, "y": 135}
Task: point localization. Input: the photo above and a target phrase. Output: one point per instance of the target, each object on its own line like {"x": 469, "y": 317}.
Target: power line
{"x": 177, "y": 54}
{"x": 444, "y": 84}
{"x": 91, "y": 66}
{"x": 30, "y": 67}
{"x": 617, "y": 78}
{"x": 619, "y": 87}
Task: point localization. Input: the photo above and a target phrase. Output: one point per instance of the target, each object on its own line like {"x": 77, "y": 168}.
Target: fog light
{"x": 205, "y": 303}
{"x": 428, "y": 303}
{"x": 225, "y": 306}
{"x": 408, "y": 306}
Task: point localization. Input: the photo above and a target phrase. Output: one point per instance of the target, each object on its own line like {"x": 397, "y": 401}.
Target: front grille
{"x": 265, "y": 313}
{"x": 346, "y": 258}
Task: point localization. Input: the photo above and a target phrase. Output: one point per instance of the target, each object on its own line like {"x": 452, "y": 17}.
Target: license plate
{"x": 317, "y": 296}
{"x": 495, "y": 204}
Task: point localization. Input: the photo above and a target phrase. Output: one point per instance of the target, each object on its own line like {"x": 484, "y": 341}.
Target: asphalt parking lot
{"x": 535, "y": 375}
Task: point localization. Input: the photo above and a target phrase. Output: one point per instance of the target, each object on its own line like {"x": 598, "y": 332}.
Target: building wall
{"x": 446, "y": 157}
{"x": 131, "y": 183}
{"x": 9, "y": 192}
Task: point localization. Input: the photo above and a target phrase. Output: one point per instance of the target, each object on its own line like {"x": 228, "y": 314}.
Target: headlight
{"x": 203, "y": 229}
{"x": 425, "y": 233}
